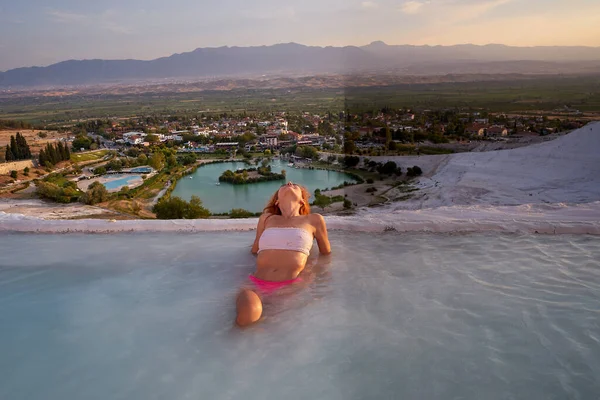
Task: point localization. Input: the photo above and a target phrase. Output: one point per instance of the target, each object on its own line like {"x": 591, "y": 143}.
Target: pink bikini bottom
{"x": 267, "y": 287}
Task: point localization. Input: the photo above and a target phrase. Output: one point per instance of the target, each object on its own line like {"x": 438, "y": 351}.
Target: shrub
{"x": 370, "y": 180}
{"x": 54, "y": 191}
{"x": 347, "y": 204}
{"x": 414, "y": 171}
{"x": 177, "y": 208}
{"x": 388, "y": 168}
{"x": 13, "y": 174}
{"x": 136, "y": 207}
{"x": 26, "y": 171}
{"x": 96, "y": 193}
{"x": 124, "y": 191}
{"x": 371, "y": 190}
{"x": 322, "y": 201}
{"x": 100, "y": 171}
{"x": 240, "y": 213}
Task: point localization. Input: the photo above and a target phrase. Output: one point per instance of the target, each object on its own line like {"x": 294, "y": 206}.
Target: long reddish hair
{"x": 273, "y": 208}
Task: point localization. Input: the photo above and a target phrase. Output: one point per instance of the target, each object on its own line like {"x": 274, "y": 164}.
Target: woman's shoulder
{"x": 316, "y": 218}
{"x": 265, "y": 215}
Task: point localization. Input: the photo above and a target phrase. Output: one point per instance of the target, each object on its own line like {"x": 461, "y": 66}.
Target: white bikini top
{"x": 296, "y": 239}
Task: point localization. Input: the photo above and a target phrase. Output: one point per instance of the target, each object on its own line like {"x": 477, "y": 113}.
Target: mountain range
{"x": 296, "y": 59}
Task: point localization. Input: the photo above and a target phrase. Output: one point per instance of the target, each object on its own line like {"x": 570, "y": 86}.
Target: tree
{"x": 351, "y": 161}
{"x": 325, "y": 129}
{"x": 388, "y": 137}
{"x": 115, "y": 165}
{"x": 157, "y": 161}
{"x": 26, "y": 148}
{"x": 81, "y": 142}
{"x": 349, "y": 147}
{"x": 15, "y": 149}
{"x": 9, "y": 156}
{"x": 307, "y": 152}
{"x": 96, "y": 193}
{"x": 152, "y": 138}
{"x": 100, "y": 171}
{"x": 172, "y": 161}
{"x": 42, "y": 157}
{"x": 142, "y": 159}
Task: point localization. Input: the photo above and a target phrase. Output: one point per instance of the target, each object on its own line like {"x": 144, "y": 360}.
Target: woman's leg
{"x": 249, "y": 307}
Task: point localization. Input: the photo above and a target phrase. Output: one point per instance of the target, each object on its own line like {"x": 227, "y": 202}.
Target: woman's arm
{"x": 321, "y": 234}
{"x": 259, "y": 230}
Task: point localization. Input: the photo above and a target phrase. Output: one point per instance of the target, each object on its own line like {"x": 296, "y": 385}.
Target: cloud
{"x": 66, "y": 17}
{"x": 411, "y": 7}
{"x": 106, "y": 20}
{"x": 470, "y": 11}
{"x": 369, "y": 4}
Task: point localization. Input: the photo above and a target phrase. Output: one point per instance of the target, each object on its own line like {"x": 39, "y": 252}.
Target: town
{"x": 375, "y": 133}
{"x": 130, "y": 164}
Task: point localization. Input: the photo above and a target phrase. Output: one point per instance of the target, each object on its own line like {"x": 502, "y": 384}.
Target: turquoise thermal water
{"x": 120, "y": 181}
{"x": 402, "y": 316}
{"x": 252, "y": 197}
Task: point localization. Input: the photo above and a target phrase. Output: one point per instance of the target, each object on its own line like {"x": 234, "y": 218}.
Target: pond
{"x": 252, "y": 197}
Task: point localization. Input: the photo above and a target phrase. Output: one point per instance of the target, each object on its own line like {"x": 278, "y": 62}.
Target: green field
{"x": 522, "y": 95}
{"x": 543, "y": 94}
{"x": 88, "y": 156}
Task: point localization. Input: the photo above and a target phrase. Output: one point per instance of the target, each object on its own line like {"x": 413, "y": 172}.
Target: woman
{"x": 284, "y": 237}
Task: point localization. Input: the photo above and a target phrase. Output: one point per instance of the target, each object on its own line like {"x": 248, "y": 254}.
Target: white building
{"x": 134, "y": 138}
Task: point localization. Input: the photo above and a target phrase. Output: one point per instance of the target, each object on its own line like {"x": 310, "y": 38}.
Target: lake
{"x": 252, "y": 197}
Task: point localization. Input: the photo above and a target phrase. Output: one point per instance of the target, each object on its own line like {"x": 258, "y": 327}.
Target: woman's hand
{"x": 321, "y": 234}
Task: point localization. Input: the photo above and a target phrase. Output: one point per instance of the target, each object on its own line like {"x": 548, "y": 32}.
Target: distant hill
{"x": 296, "y": 59}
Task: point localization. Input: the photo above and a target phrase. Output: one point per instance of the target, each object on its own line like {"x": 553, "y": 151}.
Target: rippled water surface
{"x": 148, "y": 316}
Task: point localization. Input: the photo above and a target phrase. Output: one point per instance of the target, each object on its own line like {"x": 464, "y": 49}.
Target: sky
{"x": 35, "y": 33}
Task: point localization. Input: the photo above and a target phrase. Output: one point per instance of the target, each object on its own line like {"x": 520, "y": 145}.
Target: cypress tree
{"x": 26, "y": 148}
{"x": 60, "y": 151}
{"x": 42, "y": 157}
{"x": 49, "y": 155}
{"x": 55, "y": 158}
{"x": 65, "y": 152}
{"x": 23, "y": 146}
{"x": 9, "y": 155}
{"x": 14, "y": 149}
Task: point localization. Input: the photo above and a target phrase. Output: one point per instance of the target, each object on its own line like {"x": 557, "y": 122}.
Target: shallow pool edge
{"x": 538, "y": 218}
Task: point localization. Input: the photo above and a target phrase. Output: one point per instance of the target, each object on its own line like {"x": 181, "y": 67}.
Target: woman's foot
{"x": 249, "y": 308}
